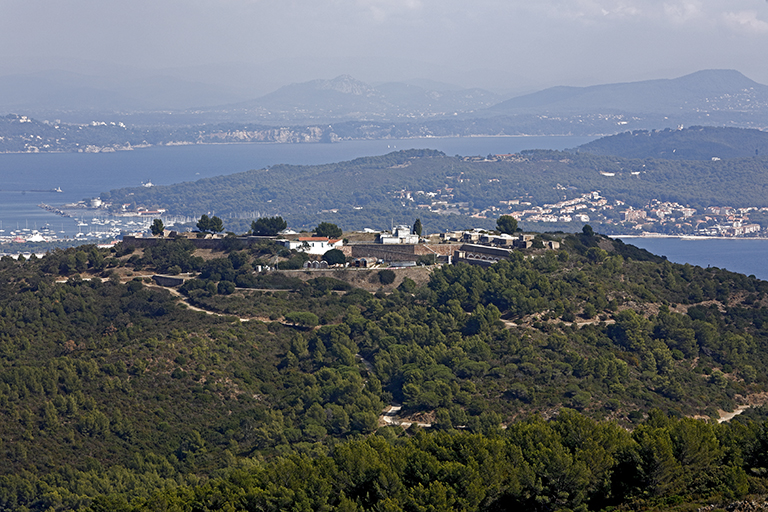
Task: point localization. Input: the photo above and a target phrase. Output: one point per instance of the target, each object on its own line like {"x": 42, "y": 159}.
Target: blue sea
{"x": 27, "y": 180}
{"x": 747, "y": 256}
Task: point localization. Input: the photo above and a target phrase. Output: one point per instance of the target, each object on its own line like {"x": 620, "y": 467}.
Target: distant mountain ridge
{"x": 708, "y": 97}
{"x": 345, "y": 96}
{"x": 715, "y": 90}
{"x": 345, "y": 108}
{"x": 694, "y": 143}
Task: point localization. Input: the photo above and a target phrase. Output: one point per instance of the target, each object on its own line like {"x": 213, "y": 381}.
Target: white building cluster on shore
{"x": 656, "y": 216}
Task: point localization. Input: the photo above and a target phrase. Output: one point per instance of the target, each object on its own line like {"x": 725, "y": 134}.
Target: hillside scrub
{"x": 558, "y": 381}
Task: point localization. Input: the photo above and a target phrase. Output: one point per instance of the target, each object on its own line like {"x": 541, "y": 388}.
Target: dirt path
{"x": 728, "y": 416}
{"x": 529, "y": 322}
{"x": 184, "y": 300}
{"x": 747, "y": 402}
{"x": 389, "y": 418}
{"x": 754, "y": 400}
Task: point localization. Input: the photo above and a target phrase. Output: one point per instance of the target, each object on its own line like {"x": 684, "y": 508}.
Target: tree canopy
{"x": 334, "y": 257}
{"x": 210, "y": 224}
{"x": 328, "y": 229}
{"x": 506, "y": 224}
{"x": 157, "y": 227}
{"x": 268, "y": 226}
{"x": 417, "y": 227}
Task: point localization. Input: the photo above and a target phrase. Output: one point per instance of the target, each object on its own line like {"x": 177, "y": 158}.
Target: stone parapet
{"x": 400, "y": 252}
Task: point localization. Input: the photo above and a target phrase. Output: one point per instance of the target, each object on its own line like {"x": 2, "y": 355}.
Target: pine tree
{"x": 157, "y": 227}
{"x": 204, "y": 224}
{"x": 417, "y": 227}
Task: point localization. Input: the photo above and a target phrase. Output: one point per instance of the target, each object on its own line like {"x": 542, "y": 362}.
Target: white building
{"x": 400, "y": 235}
{"x": 313, "y": 244}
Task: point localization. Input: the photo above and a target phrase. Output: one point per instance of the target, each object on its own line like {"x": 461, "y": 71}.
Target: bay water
{"x": 747, "y": 256}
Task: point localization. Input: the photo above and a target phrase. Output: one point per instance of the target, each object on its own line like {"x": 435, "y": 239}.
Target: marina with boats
{"x": 86, "y": 220}
{"x": 95, "y": 229}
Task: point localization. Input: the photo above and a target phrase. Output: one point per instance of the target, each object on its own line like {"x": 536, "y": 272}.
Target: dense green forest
{"x": 554, "y": 380}
{"x": 366, "y": 192}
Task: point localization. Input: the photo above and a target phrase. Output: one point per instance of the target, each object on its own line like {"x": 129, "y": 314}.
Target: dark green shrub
{"x": 386, "y": 276}
{"x": 334, "y": 257}
{"x": 225, "y": 287}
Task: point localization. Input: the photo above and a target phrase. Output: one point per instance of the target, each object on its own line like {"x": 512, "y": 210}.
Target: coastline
{"x": 743, "y": 255}
{"x": 111, "y": 149}
{"x": 689, "y": 237}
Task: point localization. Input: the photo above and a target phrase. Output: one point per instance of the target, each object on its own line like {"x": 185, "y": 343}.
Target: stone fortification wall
{"x": 482, "y": 255}
{"x": 215, "y": 244}
{"x": 440, "y": 249}
{"x": 401, "y": 252}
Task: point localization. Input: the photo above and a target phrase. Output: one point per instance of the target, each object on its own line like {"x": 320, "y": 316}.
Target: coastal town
{"x": 610, "y": 216}
{"x": 97, "y": 222}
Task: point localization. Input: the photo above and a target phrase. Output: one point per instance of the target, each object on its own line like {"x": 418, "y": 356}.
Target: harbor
{"x": 83, "y": 221}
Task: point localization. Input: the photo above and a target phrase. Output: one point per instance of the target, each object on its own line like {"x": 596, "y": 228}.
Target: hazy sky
{"x": 500, "y": 44}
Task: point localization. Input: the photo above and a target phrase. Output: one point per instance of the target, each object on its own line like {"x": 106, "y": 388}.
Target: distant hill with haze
{"x": 694, "y": 143}
{"x": 344, "y": 108}
{"x": 711, "y": 90}
{"x": 344, "y": 96}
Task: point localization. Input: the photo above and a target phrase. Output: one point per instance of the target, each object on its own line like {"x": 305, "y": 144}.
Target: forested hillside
{"x": 559, "y": 379}
{"x": 373, "y": 191}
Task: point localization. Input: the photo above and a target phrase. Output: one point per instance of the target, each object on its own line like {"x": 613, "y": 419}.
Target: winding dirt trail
{"x": 185, "y": 301}
{"x": 753, "y": 400}
{"x": 728, "y": 416}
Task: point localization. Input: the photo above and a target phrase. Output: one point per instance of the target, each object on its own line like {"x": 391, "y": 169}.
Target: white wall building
{"x": 400, "y": 235}
{"x": 313, "y": 244}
